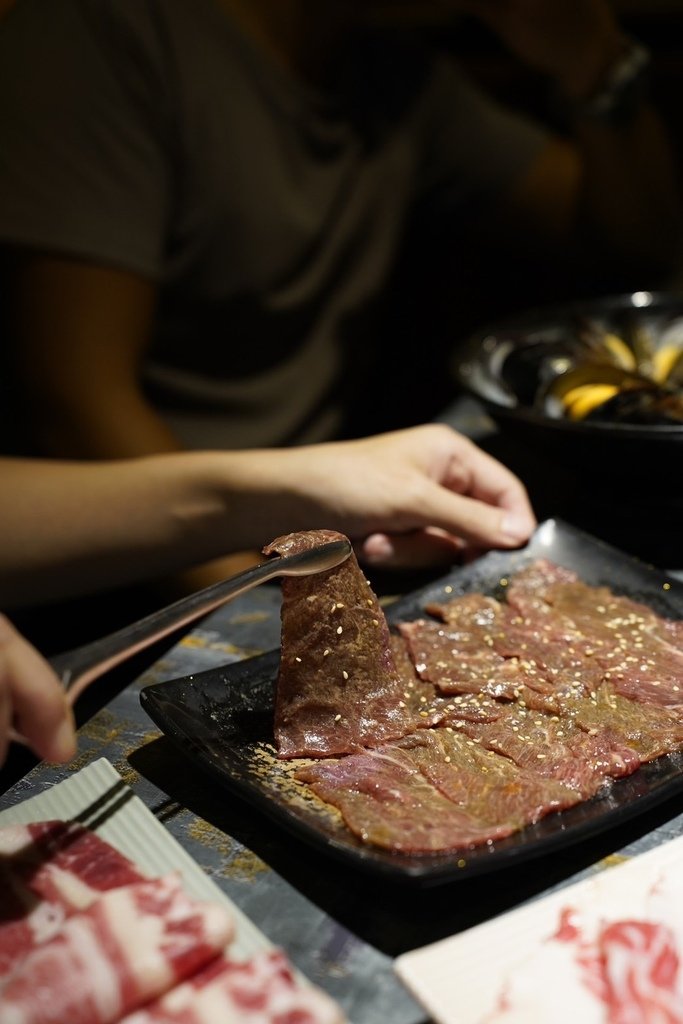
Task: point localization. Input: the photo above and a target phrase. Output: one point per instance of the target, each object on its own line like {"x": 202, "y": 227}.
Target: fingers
{"x": 493, "y": 505}
{"x": 418, "y": 549}
{"x": 32, "y": 699}
{"x": 461, "y": 500}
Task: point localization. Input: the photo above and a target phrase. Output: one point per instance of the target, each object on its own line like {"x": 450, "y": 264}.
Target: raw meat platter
{"x": 606, "y": 948}
{"x": 222, "y": 720}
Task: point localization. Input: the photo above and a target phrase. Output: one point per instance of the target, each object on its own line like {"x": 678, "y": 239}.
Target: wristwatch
{"x": 621, "y": 89}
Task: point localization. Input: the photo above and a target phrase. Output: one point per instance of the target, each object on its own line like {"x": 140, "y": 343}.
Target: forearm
{"x": 79, "y": 336}
{"x": 69, "y": 528}
{"x": 103, "y": 420}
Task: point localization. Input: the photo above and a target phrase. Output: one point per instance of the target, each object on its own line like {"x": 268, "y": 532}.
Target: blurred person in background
{"x": 204, "y": 204}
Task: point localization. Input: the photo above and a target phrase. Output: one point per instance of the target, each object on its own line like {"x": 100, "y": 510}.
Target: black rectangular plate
{"x": 223, "y": 720}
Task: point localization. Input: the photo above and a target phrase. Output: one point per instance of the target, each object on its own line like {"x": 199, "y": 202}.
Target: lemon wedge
{"x": 664, "y": 360}
{"x": 624, "y": 356}
{"x": 581, "y": 400}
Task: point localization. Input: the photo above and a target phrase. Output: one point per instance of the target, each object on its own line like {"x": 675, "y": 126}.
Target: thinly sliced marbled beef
{"x": 338, "y": 689}
{"x": 637, "y": 651}
{"x": 648, "y": 729}
{"x": 489, "y": 786}
{"x": 48, "y": 871}
{"x": 261, "y": 990}
{"x": 436, "y": 653}
{"x": 130, "y": 945}
{"x": 458, "y": 656}
{"x": 556, "y": 747}
{"x": 387, "y": 801}
{"x": 435, "y": 790}
{"x": 511, "y": 710}
{"x": 527, "y": 591}
{"x": 425, "y": 705}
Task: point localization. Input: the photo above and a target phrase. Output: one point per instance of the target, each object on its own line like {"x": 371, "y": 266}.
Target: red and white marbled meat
{"x": 640, "y": 973}
{"x": 633, "y": 968}
{"x": 48, "y": 871}
{"x": 130, "y": 945}
{"x": 261, "y": 990}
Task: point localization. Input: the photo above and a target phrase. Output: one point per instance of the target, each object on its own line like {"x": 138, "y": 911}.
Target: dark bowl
{"x": 640, "y": 453}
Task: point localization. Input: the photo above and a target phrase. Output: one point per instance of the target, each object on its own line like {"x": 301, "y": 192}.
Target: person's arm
{"x": 413, "y": 497}
{"x": 79, "y": 335}
{"x": 32, "y": 700}
{"x": 613, "y": 183}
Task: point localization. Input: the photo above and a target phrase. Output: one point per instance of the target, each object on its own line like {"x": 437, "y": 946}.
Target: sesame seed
{"x": 337, "y": 718}
{"x": 297, "y": 658}
{"x": 339, "y": 629}
{"x": 326, "y": 652}
{"x": 345, "y": 674}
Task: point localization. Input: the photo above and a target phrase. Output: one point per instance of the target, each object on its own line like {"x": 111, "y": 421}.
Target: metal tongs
{"x": 79, "y": 667}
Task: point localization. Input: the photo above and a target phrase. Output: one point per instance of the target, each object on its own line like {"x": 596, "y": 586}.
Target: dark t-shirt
{"x": 151, "y": 135}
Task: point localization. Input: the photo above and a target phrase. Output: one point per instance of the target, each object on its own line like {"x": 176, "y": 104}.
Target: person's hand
{"x": 32, "y": 700}
{"x": 571, "y": 40}
{"x": 415, "y": 497}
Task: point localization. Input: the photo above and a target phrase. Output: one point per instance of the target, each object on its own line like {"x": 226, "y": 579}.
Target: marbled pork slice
{"x": 48, "y": 871}
{"x": 338, "y": 689}
{"x": 129, "y": 946}
{"x": 387, "y": 801}
{"x": 261, "y": 990}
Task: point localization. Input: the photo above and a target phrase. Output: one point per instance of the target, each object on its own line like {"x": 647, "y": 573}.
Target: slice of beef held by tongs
{"x": 338, "y": 689}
